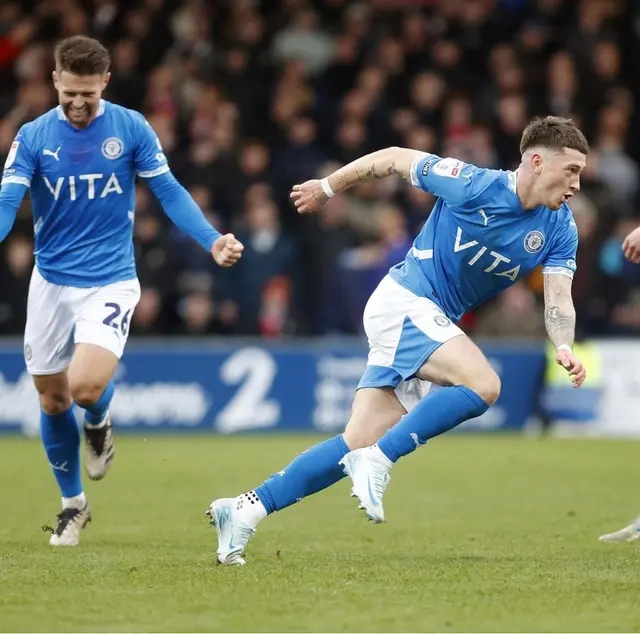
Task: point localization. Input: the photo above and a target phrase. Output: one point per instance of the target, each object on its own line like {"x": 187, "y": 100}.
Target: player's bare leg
{"x": 61, "y": 441}
{"x": 91, "y": 387}
{"x": 374, "y": 411}
{"x": 472, "y": 386}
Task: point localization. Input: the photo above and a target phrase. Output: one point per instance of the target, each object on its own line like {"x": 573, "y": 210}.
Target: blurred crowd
{"x": 250, "y": 97}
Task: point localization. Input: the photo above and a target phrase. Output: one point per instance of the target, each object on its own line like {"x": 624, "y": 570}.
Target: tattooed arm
{"x": 559, "y": 313}
{"x": 387, "y": 162}
{"x": 311, "y": 196}
{"x": 560, "y": 320}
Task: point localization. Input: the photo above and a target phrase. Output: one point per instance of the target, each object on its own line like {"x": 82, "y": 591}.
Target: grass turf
{"x": 483, "y": 534}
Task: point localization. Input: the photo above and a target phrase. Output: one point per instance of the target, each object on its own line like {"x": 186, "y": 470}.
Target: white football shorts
{"x": 404, "y": 330}
{"x": 58, "y": 317}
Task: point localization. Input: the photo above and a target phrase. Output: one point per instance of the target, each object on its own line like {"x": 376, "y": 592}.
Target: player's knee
{"x": 357, "y": 437}
{"x": 54, "y": 403}
{"x": 86, "y": 393}
{"x": 487, "y": 386}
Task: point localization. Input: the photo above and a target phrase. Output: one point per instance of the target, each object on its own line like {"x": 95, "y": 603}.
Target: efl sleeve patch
{"x": 448, "y": 167}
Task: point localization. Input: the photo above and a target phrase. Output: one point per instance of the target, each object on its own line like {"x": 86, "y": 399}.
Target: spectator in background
{"x": 249, "y": 98}
{"x": 512, "y": 314}
{"x": 304, "y": 40}
{"x": 14, "y": 283}
{"x": 269, "y": 253}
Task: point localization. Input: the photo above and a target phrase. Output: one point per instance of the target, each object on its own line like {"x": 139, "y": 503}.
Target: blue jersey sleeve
{"x": 21, "y": 162}
{"x": 148, "y": 156}
{"x": 460, "y": 184}
{"x": 183, "y": 210}
{"x": 11, "y": 196}
{"x": 561, "y": 258}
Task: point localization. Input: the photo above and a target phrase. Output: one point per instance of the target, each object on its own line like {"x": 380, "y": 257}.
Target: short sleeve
{"x": 149, "y": 159}
{"x": 561, "y": 259}
{"x": 20, "y": 164}
{"x": 456, "y": 182}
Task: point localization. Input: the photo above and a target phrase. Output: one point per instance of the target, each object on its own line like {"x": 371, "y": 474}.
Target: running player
{"x": 487, "y": 230}
{"x": 79, "y": 162}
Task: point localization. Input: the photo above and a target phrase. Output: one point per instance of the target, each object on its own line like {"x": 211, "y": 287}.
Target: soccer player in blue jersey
{"x": 79, "y": 162}
{"x": 487, "y": 230}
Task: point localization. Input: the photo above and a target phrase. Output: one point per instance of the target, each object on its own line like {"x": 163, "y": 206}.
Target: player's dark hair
{"x": 555, "y": 133}
{"x": 82, "y": 55}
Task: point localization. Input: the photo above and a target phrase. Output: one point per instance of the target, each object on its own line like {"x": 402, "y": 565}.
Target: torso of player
{"x": 82, "y": 166}
{"x": 495, "y": 241}
{"x": 83, "y": 198}
{"x": 461, "y": 258}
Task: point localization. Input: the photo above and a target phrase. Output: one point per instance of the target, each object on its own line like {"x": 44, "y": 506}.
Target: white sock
{"x": 250, "y": 509}
{"x": 102, "y": 423}
{"x": 76, "y": 502}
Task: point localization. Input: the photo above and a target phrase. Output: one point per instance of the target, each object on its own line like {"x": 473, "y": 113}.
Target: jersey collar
{"x": 512, "y": 178}
{"x": 63, "y": 116}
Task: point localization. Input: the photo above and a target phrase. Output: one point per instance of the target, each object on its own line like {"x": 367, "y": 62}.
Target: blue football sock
{"x": 435, "y": 414}
{"x": 95, "y": 413}
{"x": 61, "y": 440}
{"x": 310, "y": 472}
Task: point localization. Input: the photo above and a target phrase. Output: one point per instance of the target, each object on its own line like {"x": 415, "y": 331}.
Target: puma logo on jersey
{"x": 486, "y": 218}
{"x": 51, "y": 153}
{"x": 498, "y": 258}
{"x": 75, "y": 186}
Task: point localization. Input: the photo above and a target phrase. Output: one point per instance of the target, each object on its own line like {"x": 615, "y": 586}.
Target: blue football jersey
{"x": 478, "y": 239}
{"x": 82, "y": 188}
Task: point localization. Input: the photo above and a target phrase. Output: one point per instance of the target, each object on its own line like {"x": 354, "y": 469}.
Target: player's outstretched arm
{"x": 560, "y": 321}
{"x": 187, "y": 216}
{"x": 312, "y": 195}
{"x": 151, "y": 165}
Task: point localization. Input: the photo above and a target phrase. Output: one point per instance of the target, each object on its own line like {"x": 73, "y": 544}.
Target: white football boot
{"x": 368, "y": 469}
{"x": 70, "y": 522}
{"x": 626, "y": 534}
{"x": 233, "y": 533}
{"x": 98, "y": 448}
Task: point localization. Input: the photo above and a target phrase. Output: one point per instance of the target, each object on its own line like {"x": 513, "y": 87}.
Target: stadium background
{"x": 251, "y": 97}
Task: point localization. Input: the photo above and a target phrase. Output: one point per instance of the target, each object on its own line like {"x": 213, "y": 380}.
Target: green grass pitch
{"x": 483, "y": 534}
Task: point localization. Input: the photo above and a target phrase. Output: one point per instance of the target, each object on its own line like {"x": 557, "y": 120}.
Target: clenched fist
{"x": 226, "y": 250}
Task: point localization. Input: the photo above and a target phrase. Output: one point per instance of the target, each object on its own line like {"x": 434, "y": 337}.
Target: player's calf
{"x": 92, "y": 388}
{"x": 375, "y": 410}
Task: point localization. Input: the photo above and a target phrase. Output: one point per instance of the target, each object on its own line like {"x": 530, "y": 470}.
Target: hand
{"x": 573, "y": 366}
{"x": 308, "y": 197}
{"x": 226, "y": 250}
{"x": 631, "y": 246}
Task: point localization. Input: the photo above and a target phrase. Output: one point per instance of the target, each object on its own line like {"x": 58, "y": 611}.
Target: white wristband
{"x": 326, "y": 188}
{"x": 564, "y": 346}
